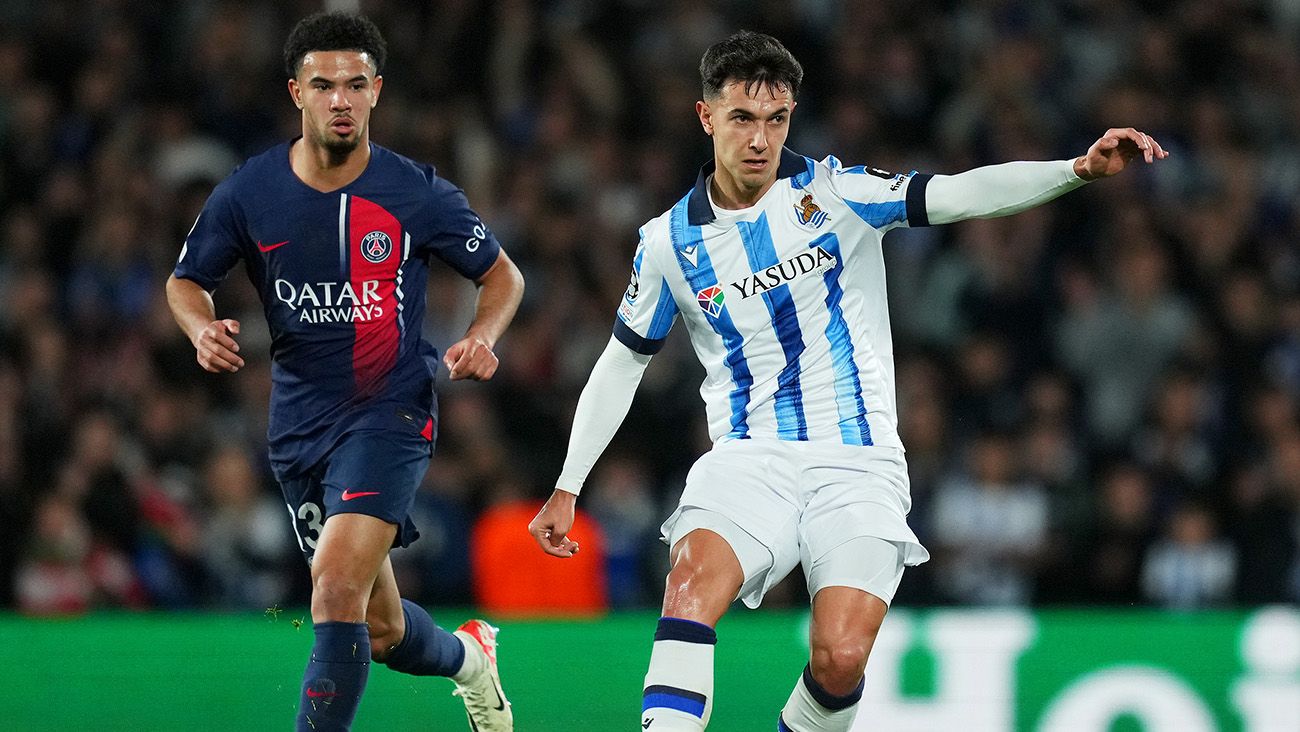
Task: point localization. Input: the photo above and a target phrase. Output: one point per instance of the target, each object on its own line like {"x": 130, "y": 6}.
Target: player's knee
{"x": 838, "y": 665}
{"x": 338, "y": 598}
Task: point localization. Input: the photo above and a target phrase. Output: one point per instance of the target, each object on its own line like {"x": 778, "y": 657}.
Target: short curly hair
{"x": 333, "y": 32}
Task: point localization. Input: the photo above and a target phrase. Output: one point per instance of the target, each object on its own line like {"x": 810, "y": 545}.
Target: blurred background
{"x": 1098, "y": 397}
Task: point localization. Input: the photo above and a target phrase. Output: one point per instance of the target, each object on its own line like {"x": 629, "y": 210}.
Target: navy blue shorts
{"x": 375, "y": 471}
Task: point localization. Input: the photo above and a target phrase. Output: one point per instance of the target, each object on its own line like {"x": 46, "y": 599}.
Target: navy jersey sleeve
{"x": 214, "y": 242}
{"x": 457, "y": 235}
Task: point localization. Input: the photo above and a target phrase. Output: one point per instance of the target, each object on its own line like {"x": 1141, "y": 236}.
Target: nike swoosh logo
{"x": 268, "y": 247}
{"x": 318, "y": 694}
{"x": 692, "y": 255}
{"x": 349, "y": 495}
{"x": 501, "y": 702}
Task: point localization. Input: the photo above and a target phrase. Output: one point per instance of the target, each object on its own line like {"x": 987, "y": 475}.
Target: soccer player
{"x": 773, "y": 262}
{"x": 336, "y": 234}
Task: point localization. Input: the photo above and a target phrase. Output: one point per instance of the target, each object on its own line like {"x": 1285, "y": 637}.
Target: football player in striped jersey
{"x": 773, "y": 263}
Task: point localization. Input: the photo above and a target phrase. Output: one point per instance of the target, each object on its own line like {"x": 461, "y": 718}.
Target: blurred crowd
{"x": 1099, "y": 397}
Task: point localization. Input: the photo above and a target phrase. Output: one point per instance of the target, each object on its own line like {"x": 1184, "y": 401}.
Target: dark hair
{"x": 754, "y": 58}
{"x": 333, "y": 32}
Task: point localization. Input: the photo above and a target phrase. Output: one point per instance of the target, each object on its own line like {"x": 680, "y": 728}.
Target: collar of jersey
{"x": 698, "y": 209}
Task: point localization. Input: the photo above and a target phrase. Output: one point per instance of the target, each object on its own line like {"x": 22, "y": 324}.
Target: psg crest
{"x": 376, "y": 246}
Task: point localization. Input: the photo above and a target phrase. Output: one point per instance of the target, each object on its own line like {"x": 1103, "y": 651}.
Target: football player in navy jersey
{"x": 337, "y": 234}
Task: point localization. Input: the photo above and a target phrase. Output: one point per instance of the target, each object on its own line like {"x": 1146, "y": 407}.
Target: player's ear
{"x": 295, "y": 93}
{"x": 377, "y": 86}
{"x": 705, "y": 115}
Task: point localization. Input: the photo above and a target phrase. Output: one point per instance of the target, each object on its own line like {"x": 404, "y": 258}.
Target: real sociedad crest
{"x": 376, "y": 246}
{"x": 810, "y": 213}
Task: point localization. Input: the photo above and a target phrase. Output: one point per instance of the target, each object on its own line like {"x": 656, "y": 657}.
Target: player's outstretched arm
{"x": 499, "y": 291}
{"x": 601, "y": 408}
{"x": 214, "y": 345}
{"x": 1113, "y": 151}
{"x": 1009, "y": 188}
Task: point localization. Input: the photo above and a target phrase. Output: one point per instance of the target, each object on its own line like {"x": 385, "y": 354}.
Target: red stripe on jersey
{"x": 374, "y": 254}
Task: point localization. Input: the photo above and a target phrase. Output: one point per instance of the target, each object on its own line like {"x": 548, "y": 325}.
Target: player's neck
{"x": 730, "y": 195}
{"x": 325, "y": 170}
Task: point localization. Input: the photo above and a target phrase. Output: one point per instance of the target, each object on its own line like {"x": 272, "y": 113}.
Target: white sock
{"x": 813, "y": 709}
{"x": 678, "y": 692}
{"x": 475, "y": 660}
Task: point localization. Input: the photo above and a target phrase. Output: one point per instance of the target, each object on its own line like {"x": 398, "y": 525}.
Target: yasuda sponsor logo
{"x": 331, "y": 302}
{"x": 816, "y": 260}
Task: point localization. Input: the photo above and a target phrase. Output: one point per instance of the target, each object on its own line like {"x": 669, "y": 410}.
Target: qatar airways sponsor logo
{"x": 331, "y": 302}
{"x": 816, "y": 260}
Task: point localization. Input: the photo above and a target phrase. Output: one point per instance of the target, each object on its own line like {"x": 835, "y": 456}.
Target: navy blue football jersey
{"x": 342, "y": 277}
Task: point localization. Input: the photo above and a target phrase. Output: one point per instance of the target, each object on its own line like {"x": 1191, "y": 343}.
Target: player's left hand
{"x": 470, "y": 358}
{"x": 1110, "y": 154}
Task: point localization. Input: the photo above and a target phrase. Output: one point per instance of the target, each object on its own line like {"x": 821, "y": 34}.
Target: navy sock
{"x": 827, "y": 699}
{"x": 335, "y": 677}
{"x": 426, "y": 649}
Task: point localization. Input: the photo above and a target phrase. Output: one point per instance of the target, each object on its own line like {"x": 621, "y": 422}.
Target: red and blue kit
{"x": 342, "y": 277}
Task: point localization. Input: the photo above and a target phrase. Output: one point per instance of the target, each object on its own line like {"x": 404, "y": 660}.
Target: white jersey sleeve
{"x": 601, "y": 408}
{"x": 647, "y": 310}
{"x": 998, "y": 190}
{"x": 885, "y": 200}
{"x": 882, "y": 199}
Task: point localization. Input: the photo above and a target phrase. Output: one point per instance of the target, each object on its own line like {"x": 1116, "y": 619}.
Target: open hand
{"x": 1110, "y": 154}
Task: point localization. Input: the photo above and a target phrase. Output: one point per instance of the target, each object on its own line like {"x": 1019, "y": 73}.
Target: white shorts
{"x": 780, "y": 503}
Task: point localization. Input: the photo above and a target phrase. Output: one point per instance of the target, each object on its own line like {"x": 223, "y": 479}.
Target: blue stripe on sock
{"x": 781, "y": 725}
{"x": 670, "y": 697}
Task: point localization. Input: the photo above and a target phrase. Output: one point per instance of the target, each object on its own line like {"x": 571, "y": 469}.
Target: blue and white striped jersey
{"x": 784, "y": 301}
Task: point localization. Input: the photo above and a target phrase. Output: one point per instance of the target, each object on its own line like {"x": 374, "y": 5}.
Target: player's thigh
{"x": 742, "y": 492}
{"x": 845, "y": 622}
{"x": 353, "y": 546}
{"x": 706, "y": 576}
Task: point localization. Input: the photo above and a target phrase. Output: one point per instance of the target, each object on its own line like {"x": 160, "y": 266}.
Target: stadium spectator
{"x": 1191, "y": 566}
{"x": 989, "y": 527}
